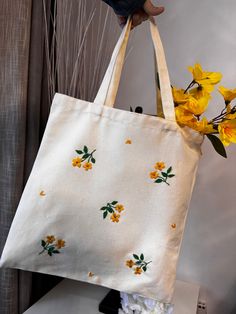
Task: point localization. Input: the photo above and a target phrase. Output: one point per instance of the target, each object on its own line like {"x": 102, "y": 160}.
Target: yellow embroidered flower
{"x": 154, "y": 174}
{"x": 115, "y": 217}
{"x": 130, "y": 263}
{"x": 227, "y": 131}
{"x": 138, "y": 271}
{"x": 42, "y": 193}
{"x": 206, "y": 80}
{"x": 228, "y": 94}
{"x": 76, "y": 162}
{"x": 60, "y": 243}
{"x": 87, "y": 166}
{"x": 160, "y": 165}
{"x": 173, "y": 226}
{"x": 119, "y": 208}
{"x": 50, "y": 238}
{"x": 128, "y": 141}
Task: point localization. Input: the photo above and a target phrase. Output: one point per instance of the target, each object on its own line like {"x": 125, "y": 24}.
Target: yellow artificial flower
{"x": 60, "y": 243}
{"x": 130, "y": 263}
{"x": 179, "y": 96}
{"x": 202, "y": 126}
{"x": 87, "y": 166}
{"x": 154, "y": 175}
{"x": 206, "y": 80}
{"x": 76, "y": 162}
{"x": 160, "y": 165}
{"x": 229, "y": 115}
{"x": 51, "y": 238}
{"x": 202, "y": 99}
{"x": 227, "y": 132}
{"x": 183, "y": 116}
{"x": 119, "y": 208}
{"x": 228, "y": 94}
{"x": 115, "y": 217}
{"x": 138, "y": 271}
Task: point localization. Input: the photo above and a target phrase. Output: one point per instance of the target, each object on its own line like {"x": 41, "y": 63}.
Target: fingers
{"x": 138, "y": 17}
{"x": 150, "y": 9}
{"x": 122, "y": 20}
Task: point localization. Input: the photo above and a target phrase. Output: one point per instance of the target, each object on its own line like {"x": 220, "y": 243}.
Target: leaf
{"x": 114, "y": 202}
{"x": 105, "y": 214}
{"x": 142, "y": 257}
{"x": 165, "y": 175}
{"x": 110, "y": 210}
{"x": 85, "y": 149}
{"x": 136, "y": 256}
{"x": 217, "y": 144}
{"x": 50, "y": 253}
{"x": 158, "y": 181}
{"x": 169, "y": 170}
{"x": 51, "y": 249}
{"x": 43, "y": 243}
{"x": 56, "y": 252}
{"x": 79, "y": 152}
{"x": 138, "y": 263}
{"x": 171, "y": 175}
{"x": 103, "y": 208}
{"x": 86, "y": 156}
{"x": 144, "y": 268}
{"x": 93, "y": 160}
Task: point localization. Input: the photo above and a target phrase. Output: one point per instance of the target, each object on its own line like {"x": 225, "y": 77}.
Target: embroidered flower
{"x": 110, "y": 208}
{"x": 115, "y": 217}
{"x": 87, "y": 166}
{"x": 119, "y": 208}
{"x": 76, "y": 162}
{"x": 160, "y": 165}
{"x": 128, "y": 141}
{"x": 154, "y": 175}
{"x": 139, "y": 265}
{"x": 130, "y": 263}
{"x": 50, "y": 244}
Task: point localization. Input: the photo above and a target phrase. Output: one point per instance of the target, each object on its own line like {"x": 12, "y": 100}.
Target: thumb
{"x": 150, "y": 9}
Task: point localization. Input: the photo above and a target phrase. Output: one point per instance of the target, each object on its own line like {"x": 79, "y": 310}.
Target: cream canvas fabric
{"x": 108, "y": 194}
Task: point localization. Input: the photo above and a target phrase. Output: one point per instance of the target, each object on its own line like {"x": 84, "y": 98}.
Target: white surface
{"x": 202, "y": 31}
{"x": 74, "y": 297}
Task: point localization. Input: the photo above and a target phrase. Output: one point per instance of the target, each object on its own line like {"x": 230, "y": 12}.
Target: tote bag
{"x": 107, "y": 198}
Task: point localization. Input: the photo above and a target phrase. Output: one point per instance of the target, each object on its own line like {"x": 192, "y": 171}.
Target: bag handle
{"x": 108, "y": 90}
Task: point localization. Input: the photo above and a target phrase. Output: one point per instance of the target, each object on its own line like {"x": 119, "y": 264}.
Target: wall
{"x": 202, "y": 31}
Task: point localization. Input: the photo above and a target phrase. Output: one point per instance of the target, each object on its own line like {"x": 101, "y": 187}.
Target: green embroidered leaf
{"x": 85, "y": 149}
{"x": 165, "y": 175}
{"x": 158, "y": 181}
{"x": 56, "y": 252}
{"x": 52, "y": 248}
{"x": 114, "y": 202}
{"x": 217, "y": 144}
{"x": 138, "y": 263}
{"x": 169, "y": 170}
{"x": 144, "y": 268}
{"x": 103, "y": 208}
{"x": 50, "y": 253}
{"x": 43, "y": 243}
{"x": 79, "y": 152}
{"x": 93, "y": 160}
{"x": 105, "y": 214}
{"x": 86, "y": 156}
{"x": 136, "y": 256}
{"x": 110, "y": 210}
{"x": 142, "y": 257}
{"x": 171, "y": 175}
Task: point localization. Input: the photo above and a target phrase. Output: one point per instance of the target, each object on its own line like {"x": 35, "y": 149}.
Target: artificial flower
{"x": 227, "y": 132}
{"x": 228, "y": 94}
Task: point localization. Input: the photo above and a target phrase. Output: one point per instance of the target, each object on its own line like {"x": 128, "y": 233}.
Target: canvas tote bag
{"x": 108, "y": 194}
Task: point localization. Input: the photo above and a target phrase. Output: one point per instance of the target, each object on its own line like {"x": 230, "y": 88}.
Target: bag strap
{"x": 109, "y": 87}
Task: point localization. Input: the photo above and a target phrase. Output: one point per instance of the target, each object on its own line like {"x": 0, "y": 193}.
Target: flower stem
{"x": 189, "y": 86}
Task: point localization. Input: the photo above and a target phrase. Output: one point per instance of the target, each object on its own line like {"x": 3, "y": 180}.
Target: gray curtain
{"x": 23, "y": 115}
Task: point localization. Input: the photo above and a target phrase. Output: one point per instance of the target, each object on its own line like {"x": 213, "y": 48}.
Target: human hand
{"x": 141, "y": 15}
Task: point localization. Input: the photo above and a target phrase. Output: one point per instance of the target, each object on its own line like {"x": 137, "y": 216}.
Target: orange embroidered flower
{"x": 51, "y": 238}
{"x": 130, "y": 263}
{"x": 160, "y": 165}
{"x": 87, "y": 166}
{"x": 90, "y": 274}
{"x": 173, "y": 226}
{"x": 119, "y": 208}
{"x": 154, "y": 175}
{"x": 115, "y": 217}
{"x": 128, "y": 141}
{"x": 42, "y": 193}
{"x": 138, "y": 271}
{"x": 76, "y": 162}
{"x": 60, "y": 243}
